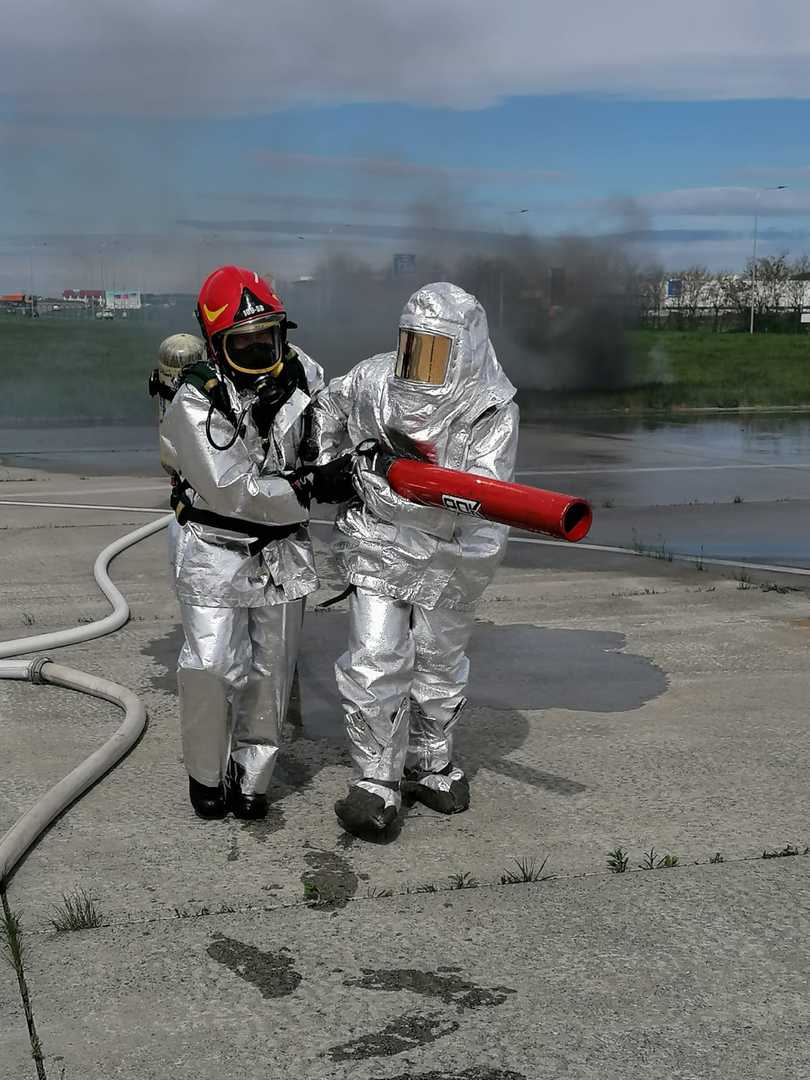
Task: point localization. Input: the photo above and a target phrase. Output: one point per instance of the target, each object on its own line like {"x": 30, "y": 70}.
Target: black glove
{"x": 331, "y": 483}
{"x": 380, "y": 457}
{"x": 302, "y": 487}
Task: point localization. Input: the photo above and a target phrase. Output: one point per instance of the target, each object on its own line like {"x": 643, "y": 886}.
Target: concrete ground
{"x": 616, "y": 702}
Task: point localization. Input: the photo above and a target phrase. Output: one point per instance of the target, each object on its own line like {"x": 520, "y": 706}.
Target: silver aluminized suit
{"x": 418, "y": 570}
{"x": 241, "y": 612}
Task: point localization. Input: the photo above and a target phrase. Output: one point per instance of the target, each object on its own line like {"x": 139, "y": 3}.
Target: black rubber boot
{"x": 363, "y": 813}
{"x": 245, "y": 806}
{"x": 453, "y": 801}
{"x": 208, "y": 802}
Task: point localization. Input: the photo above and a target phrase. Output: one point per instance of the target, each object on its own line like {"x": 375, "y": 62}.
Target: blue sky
{"x": 147, "y": 147}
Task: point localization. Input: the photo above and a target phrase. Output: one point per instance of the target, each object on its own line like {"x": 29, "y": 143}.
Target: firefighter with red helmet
{"x": 240, "y": 551}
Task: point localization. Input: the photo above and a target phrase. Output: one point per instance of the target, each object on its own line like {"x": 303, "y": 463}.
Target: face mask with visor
{"x": 423, "y": 357}
{"x": 255, "y": 349}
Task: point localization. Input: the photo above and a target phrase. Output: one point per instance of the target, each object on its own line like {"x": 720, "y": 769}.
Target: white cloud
{"x": 167, "y": 57}
{"x": 724, "y": 201}
{"x": 397, "y": 167}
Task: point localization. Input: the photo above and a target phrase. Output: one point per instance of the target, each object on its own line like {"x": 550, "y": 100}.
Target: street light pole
{"x": 779, "y": 187}
{"x": 500, "y": 273}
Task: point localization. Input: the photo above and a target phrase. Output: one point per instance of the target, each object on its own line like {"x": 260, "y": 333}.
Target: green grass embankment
{"x": 670, "y": 370}
{"x": 703, "y": 370}
{"x": 77, "y": 369}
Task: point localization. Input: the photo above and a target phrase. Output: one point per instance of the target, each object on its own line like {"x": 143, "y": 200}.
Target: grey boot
{"x": 447, "y": 791}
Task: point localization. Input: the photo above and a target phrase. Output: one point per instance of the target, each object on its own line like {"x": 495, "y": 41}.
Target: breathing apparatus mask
{"x": 253, "y": 352}
{"x": 255, "y": 357}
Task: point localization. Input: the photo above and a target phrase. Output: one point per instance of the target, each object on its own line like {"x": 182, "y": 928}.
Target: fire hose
{"x": 23, "y": 834}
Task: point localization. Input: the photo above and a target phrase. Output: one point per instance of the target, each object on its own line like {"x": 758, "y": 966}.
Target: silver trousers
{"x": 402, "y": 682}
{"x": 234, "y": 677}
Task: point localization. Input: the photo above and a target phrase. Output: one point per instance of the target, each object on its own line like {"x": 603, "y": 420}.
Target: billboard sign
{"x": 404, "y": 264}
{"x": 123, "y": 301}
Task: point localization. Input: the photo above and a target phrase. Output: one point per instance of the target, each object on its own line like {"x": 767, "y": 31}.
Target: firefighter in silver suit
{"x": 416, "y": 571}
{"x": 240, "y": 551}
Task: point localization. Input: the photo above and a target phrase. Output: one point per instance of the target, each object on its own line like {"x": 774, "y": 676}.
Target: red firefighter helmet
{"x": 243, "y": 321}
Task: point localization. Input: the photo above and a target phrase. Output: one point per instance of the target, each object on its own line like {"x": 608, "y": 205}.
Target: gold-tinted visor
{"x": 254, "y": 348}
{"x": 423, "y": 357}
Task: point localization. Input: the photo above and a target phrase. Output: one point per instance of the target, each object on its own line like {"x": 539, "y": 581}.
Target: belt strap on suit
{"x": 265, "y": 534}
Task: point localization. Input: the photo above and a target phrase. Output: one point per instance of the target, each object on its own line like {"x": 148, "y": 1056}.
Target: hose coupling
{"x": 35, "y": 671}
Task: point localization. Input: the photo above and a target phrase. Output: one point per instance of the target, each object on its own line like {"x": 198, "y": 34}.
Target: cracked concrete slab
{"x": 693, "y": 972}
{"x": 621, "y": 702}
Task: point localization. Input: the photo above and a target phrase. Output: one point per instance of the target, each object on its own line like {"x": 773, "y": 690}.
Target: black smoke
{"x": 558, "y": 309}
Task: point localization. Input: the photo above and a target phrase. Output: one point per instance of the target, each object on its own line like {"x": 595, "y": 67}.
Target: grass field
{"x": 721, "y": 370}
{"x": 681, "y": 369}
{"x": 77, "y": 369}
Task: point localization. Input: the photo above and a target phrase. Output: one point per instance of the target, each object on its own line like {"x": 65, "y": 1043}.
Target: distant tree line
{"x": 722, "y": 300}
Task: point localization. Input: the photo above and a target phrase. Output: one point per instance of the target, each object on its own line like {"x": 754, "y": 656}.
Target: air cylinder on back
{"x": 176, "y": 352}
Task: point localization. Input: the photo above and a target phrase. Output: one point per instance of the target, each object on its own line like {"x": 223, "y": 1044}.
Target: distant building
{"x": 116, "y": 300}
{"x": 83, "y": 295}
{"x": 18, "y": 303}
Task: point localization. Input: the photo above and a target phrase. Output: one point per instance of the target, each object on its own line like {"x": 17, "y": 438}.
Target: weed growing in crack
{"x": 617, "y": 861}
{"x": 652, "y": 551}
{"x": 11, "y": 939}
{"x": 28, "y": 619}
{"x": 12, "y": 946}
{"x": 378, "y": 894}
{"x": 654, "y": 861}
{"x": 737, "y": 499}
{"x": 716, "y": 858}
{"x": 78, "y": 912}
{"x": 772, "y": 586}
{"x": 185, "y": 913}
{"x": 321, "y": 895}
{"x": 785, "y": 852}
{"x": 462, "y": 881}
{"x": 429, "y": 887}
{"x": 526, "y": 871}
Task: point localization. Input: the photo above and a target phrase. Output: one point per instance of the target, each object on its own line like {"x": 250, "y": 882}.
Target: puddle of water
{"x": 272, "y": 973}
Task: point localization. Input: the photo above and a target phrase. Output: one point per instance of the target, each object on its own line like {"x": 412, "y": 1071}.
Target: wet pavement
{"x": 729, "y": 487}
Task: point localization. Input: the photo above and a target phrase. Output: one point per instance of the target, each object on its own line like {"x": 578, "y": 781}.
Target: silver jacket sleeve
{"x": 231, "y": 482}
{"x": 330, "y": 416}
{"x": 330, "y": 429}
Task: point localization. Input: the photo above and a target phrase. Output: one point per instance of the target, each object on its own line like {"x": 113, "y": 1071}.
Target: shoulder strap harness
{"x": 203, "y": 377}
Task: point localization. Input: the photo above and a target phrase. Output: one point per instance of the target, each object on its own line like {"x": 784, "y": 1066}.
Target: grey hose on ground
{"x": 120, "y": 609}
{"x": 24, "y": 833}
